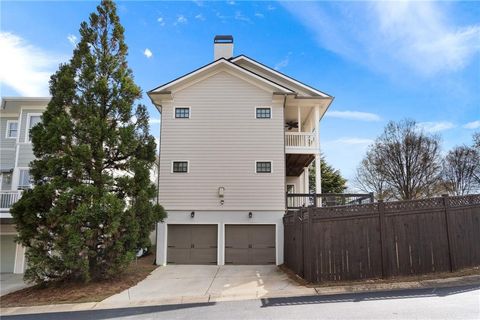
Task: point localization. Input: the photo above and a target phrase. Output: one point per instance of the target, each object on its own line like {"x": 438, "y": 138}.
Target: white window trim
{"x": 188, "y": 166}
{"x": 182, "y": 107}
{"x": 27, "y": 128}
{"x": 7, "y": 132}
{"x": 19, "y": 176}
{"x": 271, "y": 167}
{"x": 263, "y": 107}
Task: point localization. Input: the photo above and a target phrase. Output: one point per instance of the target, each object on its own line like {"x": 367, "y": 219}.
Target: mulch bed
{"x": 64, "y": 292}
{"x": 429, "y": 276}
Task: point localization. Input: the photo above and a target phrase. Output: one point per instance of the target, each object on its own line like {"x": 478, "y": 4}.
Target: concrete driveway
{"x": 195, "y": 283}
{"x": 10, "y": 282}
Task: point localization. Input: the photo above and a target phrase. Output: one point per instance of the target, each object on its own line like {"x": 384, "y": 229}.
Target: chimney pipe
{"x": 222, "y": 47}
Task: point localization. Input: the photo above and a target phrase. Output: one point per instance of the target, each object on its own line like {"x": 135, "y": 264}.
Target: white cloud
{"x": 24, "y": 67}
{"x": 72, "y": 39}
{"x": 148, "y": 53}
{"x": 395, "y": 37}
{"x": 283, "y": 63}
{"x": 232, "y": 3}
{"x": 472, "y": 125}
{"x": 200, "y": 17}
{"x": 433, "y": 127}
{"x": 161, "y": 21}
{"x": 181, "y": 19}
{"x": 259, "y": 15}
{"x": 240, "y": 17}
{"x": 353, "y": 115}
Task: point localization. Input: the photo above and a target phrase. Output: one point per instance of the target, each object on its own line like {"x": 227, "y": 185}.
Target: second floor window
{"x": 263, "y": 113}
{"x": 34, "y": 119}
{"x": 264, "y": 167}
{"x": 12, "y": 129}
{"x": 180, "y": 167}
{"x": 182, "y": 113}
{"x": 24, "y": 179}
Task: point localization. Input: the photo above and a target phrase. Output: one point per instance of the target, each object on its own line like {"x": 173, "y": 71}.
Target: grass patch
{"x": 67, "y": 292}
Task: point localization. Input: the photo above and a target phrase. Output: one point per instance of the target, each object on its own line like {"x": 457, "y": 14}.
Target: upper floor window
{"x": 263, "y": 113}
{"x": 182, "y": 112}
{"x": 264, "y": 167}
{"x": 180, "y": 167}
{"x": 24, "y": 181}
{"x": 12, "y": 129}
{"x": 33, "y": 119}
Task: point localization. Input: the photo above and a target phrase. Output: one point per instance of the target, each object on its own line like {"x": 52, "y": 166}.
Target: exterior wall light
{"x": 192, "y": 214}
{"x": 221, "y": 192}
{"x": 250, "y": 215}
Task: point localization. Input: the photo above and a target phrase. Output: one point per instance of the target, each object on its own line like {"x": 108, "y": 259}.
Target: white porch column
{"x": 19, "y": 265}
{"x": 161, "y": 257}
{"x": 299, "y": 118}
{"x": 306, "y": 182}
{"x": 318, "y": 175}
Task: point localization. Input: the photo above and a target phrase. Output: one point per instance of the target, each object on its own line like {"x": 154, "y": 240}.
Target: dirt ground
{"x": 80, "y": 292}
{"x": 430, "y": 276}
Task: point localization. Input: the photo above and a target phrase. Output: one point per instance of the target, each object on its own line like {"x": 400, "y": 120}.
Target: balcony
{"x": 301, "y": 200}
{"x": 301, "y": 142}
{"x": 7, "y": 199}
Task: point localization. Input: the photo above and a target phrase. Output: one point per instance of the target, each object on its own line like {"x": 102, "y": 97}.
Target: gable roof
{"x": 281, "y": 75}
{"x": 215, "y": 63}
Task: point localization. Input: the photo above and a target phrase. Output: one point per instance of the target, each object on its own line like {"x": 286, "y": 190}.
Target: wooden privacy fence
{"x": 384, "y": 239}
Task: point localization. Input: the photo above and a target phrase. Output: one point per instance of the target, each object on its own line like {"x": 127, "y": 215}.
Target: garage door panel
{"x": 237, "y": 256}
{"x": 204, "y": 236}
{"x": 263, "y": 237}
{"x": 179, "y": 236}
{"x": 262, "y": 256}
{"x": 204, "y": 256}
{"x": 236, "y": 236}
{"x": 178, "y": 256}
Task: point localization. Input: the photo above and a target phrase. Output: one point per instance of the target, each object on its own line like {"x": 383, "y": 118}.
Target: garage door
{"x": 7, "y": 259}
{"x": 250, "y": 244}
{"x": 192, "y": 244}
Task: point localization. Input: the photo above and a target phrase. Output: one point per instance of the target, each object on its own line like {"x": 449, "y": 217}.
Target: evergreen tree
{"x": 332, "y": 180}
{"x": 91, "y": 207}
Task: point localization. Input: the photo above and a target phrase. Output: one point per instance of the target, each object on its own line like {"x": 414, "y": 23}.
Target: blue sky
{"x": 381, "y": 60}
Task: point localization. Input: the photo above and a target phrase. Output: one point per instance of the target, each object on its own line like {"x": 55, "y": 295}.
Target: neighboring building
{"x": 17, "y": 116}
{"x": 236, "y": 136}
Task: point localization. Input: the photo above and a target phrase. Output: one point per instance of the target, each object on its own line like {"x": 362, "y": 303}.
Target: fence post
{"x": 383, "y": 241}
{"x": 372, "y": 198}
{"x": 446, "y": 206}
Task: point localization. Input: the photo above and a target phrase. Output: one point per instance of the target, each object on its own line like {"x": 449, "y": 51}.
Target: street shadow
{"x": 369, "y": 296}
{"x": 107, "y": 313}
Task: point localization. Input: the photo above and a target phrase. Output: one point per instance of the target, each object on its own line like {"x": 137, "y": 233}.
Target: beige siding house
{"x": 236, "y": 137}
{"x": 17, "y": 116}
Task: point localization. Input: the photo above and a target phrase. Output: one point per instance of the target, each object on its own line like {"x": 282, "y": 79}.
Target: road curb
{"x": 318, "y": 291}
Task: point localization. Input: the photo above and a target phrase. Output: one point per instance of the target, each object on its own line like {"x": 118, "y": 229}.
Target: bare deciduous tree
{"x": 459, "y": 168}
{"x": 407, "y": 159}
{"x": 368, "y": 179}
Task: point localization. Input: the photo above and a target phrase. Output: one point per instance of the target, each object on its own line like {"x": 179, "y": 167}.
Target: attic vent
{"x": 222, "y": 47}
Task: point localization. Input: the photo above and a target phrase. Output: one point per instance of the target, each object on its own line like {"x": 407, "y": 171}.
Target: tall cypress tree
{"x": 91, "y": 207}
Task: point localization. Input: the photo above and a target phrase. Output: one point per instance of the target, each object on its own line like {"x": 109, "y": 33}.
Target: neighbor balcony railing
{"x": 8, "y": 198}
{"x": 300, "y": 200}
{"x": 300, "y": 140}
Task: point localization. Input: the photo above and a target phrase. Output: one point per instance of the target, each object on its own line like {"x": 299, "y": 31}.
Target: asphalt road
{"x": 442, "y": 303}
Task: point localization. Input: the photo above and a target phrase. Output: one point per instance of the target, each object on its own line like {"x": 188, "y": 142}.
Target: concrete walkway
{"x": 212, "y": 283}
{"x": 10, "y": 282}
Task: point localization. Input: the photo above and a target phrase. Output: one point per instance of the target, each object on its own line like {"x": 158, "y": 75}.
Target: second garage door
{"x": 192, "y": 244}
{"x": 250, "y": 244}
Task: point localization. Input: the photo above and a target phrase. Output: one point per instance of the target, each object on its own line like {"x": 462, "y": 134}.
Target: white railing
{"x": 300, "y": 139}
{"x": 8, "y": 198}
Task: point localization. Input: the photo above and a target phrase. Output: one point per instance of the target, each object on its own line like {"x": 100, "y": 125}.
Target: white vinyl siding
{"x": 5, "y": 142}
{"x": 25, "y": 155}
{"x": 223, "y": 140}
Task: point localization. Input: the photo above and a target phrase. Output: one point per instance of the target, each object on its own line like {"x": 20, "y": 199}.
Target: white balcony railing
{"x": 301, "y": 140}
{"x": 8, "y": 198}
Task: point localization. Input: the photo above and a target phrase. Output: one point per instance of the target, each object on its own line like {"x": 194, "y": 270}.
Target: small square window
{"x": 182, "y": 113}
{"x": 264, "y": 113}
{"x": 264, "y": 167}
{"x": 12, "y": 129}
{"x": 180, "y": 166}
